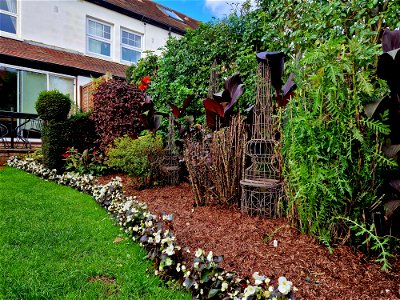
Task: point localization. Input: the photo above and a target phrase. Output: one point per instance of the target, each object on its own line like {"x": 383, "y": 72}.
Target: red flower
{"x": 65, "y": 155}
{"x": 143, "y": 87}
{"x": 146, "y": 80}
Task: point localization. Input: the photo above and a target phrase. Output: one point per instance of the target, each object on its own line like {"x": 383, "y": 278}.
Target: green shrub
{"x": 37, "y": 155}
{"x": 53, "y": 105}
{"x": 330, "y": 149}
{"x": 54, "y": 143}
{"x": 139, "y": 157}
{"x": 82, "y": 132}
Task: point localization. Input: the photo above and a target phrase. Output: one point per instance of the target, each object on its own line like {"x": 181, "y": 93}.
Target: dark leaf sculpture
{"x": 390, "y": 40}
{"x": 218, "y": 110}
{"x": 179, "y": 112}
{"x": 389, "y": 69}
{"x": 151, "y": 119}
{"x": 276, "y": 61}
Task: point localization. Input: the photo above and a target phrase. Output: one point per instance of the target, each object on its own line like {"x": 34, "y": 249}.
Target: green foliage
{"x": 37, "y": 155}
{"x": 82, "y": 132}
{"x": 146, "y": 66}
{"x": 277, "y": 25}
{"x": 184, "y": 68}
{"x": 331, "y": 154}
{"x": 379, "y": 244}
{"x": 53, "y": 106}
{"x": 87, "y": 162}
{"x": 137, "y": 157}
{"x": 54, "y": 143}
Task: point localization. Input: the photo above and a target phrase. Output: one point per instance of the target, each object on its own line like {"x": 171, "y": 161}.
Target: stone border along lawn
{"x": 205, "y": 279}
{"x": 56, "y": 243}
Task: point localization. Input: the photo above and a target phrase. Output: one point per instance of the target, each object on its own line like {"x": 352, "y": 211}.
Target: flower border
{"x": 205, "y": 279}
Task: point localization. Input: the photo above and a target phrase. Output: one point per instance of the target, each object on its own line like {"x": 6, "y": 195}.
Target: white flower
{"x": 178, "y": 267}
{"x": 168, "y": 261}
{"x": 224, "y": 286}
{"x": 258, "y": 279}
{"x": 158, "y": 239}
{"x": 210, "y": 256}
{"x": 167, "y": 217}
{"x": 169, "y": 250}
{"x": 250, "y": 290}
{"x": 198, "y": 253}
{"x": 284, "y": 285}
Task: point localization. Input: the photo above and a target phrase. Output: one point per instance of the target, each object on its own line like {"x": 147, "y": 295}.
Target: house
{"x": 47, "y": 45}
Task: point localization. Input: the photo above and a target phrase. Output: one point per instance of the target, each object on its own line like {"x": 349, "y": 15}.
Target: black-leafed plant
{"x": 116, "y": 111}
{"x": 388, "y": 69}
{"x": 183, "y": 122}
{"x": 219, "y": 109}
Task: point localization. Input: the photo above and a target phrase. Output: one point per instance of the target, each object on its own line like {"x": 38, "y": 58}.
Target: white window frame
{"x": 129, "y": 47}
{"x": 15, "y": 15}
{"x": 98, "y": 38}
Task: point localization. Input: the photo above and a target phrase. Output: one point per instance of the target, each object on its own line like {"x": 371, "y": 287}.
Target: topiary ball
{"x": 53, "y": 105}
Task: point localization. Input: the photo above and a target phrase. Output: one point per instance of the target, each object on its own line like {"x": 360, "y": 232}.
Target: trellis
{"x": 261, "y": 187}
{"x": 170, "y": 163}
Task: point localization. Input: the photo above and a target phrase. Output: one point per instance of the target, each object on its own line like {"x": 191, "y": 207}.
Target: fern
{"x": 379, "y": 244}
{"x": 376, "y": 126}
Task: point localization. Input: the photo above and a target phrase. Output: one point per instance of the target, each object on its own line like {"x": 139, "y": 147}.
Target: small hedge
{"x": 53, "y": 105}
{"x": 138, "y": 157}
{"x": 54, "y": 143}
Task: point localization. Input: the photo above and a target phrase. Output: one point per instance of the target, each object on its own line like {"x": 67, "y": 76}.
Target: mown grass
{"x": 57, "y": 243}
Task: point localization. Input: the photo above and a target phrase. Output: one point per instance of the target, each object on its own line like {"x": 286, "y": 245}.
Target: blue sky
{"x": 202, "y": 10}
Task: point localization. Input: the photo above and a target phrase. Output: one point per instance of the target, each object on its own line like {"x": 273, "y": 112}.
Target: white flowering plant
{"x": 205, "y": 278}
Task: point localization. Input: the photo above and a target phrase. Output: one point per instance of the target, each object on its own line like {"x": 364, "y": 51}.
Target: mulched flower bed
{"x": 247, "y": 246}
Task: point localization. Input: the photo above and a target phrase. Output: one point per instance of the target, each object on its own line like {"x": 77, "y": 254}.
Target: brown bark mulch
{"x": 247, "y": 246}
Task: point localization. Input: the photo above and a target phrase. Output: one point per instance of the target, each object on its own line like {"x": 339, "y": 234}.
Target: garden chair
{"x": 28, "y": 129}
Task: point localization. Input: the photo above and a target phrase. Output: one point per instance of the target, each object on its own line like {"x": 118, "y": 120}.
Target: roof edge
{"x": 49, "y": 66}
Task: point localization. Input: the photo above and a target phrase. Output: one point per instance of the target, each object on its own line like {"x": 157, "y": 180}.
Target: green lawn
{"x": 56, "y": 243}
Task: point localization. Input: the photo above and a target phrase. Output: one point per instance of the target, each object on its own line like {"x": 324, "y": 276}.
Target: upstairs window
{"x": 98, "y": 38}
{"x": 8, "y": 16}
{"x": 131, "y": 46}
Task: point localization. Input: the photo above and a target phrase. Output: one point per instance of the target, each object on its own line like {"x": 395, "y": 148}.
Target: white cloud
{"x": 220, "y": 8}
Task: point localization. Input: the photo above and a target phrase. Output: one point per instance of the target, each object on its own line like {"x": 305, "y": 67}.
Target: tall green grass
{"x": 57, "y": 243}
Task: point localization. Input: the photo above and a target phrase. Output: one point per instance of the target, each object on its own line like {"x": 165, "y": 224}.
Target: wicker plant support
{"x": 262, "y": 189}
{"x": 170, "y": 163}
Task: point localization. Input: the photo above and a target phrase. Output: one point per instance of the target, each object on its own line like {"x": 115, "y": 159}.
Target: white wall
{"x": 63, "y": 24}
